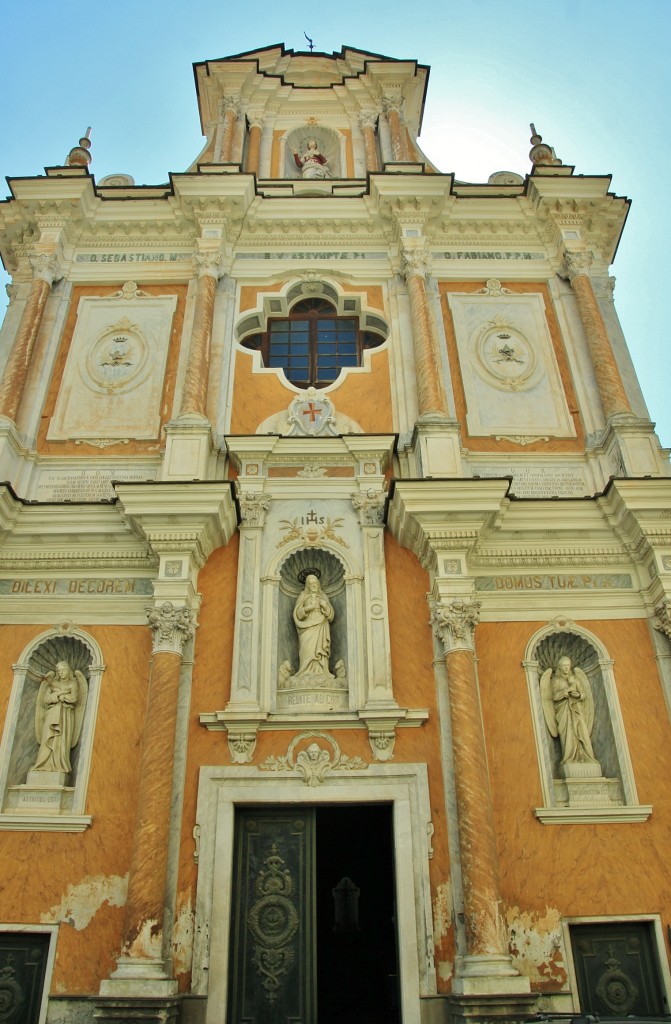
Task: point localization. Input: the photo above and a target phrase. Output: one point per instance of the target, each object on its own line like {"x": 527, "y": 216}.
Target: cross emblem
{"x": 313, "y": 411}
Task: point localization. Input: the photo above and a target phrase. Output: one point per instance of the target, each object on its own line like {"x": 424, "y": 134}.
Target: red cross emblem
{"x": 313, "y": 411}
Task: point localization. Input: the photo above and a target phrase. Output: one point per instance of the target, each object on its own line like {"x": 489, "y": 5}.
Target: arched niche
{"x": 327, "y": 688}
{"x": 46, "y": 797}
{"x": 596, "y": 778}
{"x": 327, "y": 143}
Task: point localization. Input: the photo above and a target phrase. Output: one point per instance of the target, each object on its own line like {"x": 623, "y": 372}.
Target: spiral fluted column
{"x": 254, "y": 145}
{"x": 194, "y": 395}
{"x": 45, "y": 272}
{"x": 609, "y": 382}
{"x": 367, "y": 122}
{"x": 430, "y": 388}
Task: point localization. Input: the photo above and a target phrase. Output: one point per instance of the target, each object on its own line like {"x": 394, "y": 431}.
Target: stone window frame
{"x": 31, "y": 929}
{"x": 658, "y": 932}
{"x": 74, "y": 820}
{"x": 223, "y": 788}
{"x": 253, "y": 325}
{"x": 550, "y": 813}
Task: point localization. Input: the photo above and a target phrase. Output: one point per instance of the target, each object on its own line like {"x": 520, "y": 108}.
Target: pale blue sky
{"x": 594, "y": 76}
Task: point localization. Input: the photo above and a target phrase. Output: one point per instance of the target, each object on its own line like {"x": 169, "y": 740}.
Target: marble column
{"x": 254, "y": 145}
{"x": 172, "y": 627}
{"x": 367, "y": 122}
{"x": 609, "y": 382}
{"x": 45, "y": 272}
{"x": 230, "y": 108}
{"x": 194, "y": 395}
{"x": 430, "y": 388}
{"x": 487, "y": 953}
{"x": 392, "y": 108}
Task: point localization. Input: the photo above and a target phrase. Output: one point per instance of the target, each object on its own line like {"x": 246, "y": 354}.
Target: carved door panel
{"x": 273, "y": 959}
{"x": 23, "y": 964}
{"x": 617, "y": 969}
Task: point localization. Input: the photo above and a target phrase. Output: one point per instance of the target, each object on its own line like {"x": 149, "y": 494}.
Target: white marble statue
{"x": 59, "y": 712}
{"x": 313, "y": 614}
{"x": 312, "y": 163}
{"x": 568, "y": 707}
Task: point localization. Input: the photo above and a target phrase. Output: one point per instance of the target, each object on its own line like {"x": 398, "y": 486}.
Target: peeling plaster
{"x": 445, "y": 970}
{"x": 82, "y": 901}
{"x": 149, "y": 940}
{"x": 182, "y": 938}
{"x": 536, "y": 946}
{"x": 442, "y": 912}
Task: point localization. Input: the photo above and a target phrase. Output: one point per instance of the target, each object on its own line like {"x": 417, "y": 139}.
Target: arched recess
{"x": 49, "y": 800}
{"x": 582, "y": 781}
{"x": 343, "y": 583}
{"x": 252, "y": 329}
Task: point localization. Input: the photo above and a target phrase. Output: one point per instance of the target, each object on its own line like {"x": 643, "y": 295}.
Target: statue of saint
{"x": 312, "y": 163}
{"x": 313, "y": 614}
{"x": 59, "y": 713}
{"x": 568, "y": 707}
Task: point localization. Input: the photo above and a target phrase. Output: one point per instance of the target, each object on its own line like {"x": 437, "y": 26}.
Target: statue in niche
{"x": 568, "y": 706}
{"x": 312, "y": 163}
{"x": 59, "y": 712}
{"x": 313, "y": 615}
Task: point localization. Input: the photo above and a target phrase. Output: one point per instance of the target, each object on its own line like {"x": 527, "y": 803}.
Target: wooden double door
{"x": 313, "y": 932}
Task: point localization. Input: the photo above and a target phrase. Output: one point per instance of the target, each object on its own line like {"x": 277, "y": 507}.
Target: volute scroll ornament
{"x": 576, "y": 264}
{"x": 454, "y": 624}
{"x": 209, "y": 264}
{"x": 46, "y": 267}
{"x": 171, "y": 627}
{"x": 415, "y": 263}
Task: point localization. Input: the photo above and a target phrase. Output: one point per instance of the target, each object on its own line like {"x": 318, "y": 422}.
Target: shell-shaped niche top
{"x": 312, "y": 562}
{"x": 60, "y": 648}
{"x": 560, "y": 645}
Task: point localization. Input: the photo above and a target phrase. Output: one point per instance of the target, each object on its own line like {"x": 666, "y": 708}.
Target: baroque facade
{"x": 335, "y": 580}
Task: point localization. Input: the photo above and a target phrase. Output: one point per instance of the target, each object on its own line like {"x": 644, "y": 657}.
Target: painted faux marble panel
{"x": 510, "y": 374}
{"x": 114, "y": 372}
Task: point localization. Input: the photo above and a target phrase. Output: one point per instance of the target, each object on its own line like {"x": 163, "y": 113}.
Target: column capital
{"x": 171, "y": 627}
{"x": 253, "y": 507}
{"x": 255, "y": 119}
{"x": 662, "y": 621}
{"x": 392, "y": 104}
{"x": 229, "y": 104}
{"x": 368, "y": 119}
{"x": 454, "y": 624}
{"x": 46, "y": 267}
{"x": 370, "y": 506}
{"x": 576, "y": 264}
{"x": 415, "y": 263}
{"x": 209, "y": 264}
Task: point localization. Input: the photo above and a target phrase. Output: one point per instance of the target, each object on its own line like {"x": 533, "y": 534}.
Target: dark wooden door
{"x": 617, "y": 969}
{"x": 23, "y": 964}
{"x": 313, "y": 931}
{"x": 273, "y": 957}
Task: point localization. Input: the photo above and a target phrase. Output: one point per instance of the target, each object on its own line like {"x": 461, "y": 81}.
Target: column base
{"x": 488, "y": 975}
{"x": 139, "y": 977}
{"x": 513, "y": 1008}
{"x": 124, "y": 1010}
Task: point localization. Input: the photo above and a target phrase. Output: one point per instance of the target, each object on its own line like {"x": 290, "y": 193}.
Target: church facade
{"x": 335, "y": 580}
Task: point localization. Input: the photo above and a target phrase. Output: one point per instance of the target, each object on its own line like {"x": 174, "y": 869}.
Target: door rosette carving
{"x": 273, "y": 922}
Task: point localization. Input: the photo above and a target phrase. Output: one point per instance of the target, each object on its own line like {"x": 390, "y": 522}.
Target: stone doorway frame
{"x": 222, "y": 789}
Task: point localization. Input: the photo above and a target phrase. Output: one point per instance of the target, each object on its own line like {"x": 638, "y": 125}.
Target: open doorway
{"x": 313, "y": 923}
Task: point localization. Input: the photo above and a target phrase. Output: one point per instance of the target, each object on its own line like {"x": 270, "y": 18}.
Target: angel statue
{"x": 59, "y": 713}
{"x": 568, "y": 706}
{"x": 312, "y": 163}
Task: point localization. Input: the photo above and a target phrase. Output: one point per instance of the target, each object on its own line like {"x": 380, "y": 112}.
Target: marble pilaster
{"x": 392, "y": 108}
{"x": 194, "y": 395}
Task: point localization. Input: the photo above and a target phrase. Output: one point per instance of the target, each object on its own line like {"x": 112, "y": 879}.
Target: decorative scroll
{"x": 273, "y": 922}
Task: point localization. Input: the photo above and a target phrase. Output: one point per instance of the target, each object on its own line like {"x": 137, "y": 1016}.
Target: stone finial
{"x": 541, "y": 154}
{"x": 79, "y": 156}
{"x": 454, "y": 624}
{"x": 171, "y": 627}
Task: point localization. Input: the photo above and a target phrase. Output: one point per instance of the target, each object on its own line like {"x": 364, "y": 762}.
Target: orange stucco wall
{"x": 582, "y": 870}
{"x": 365, "y": 396}
{"x": 72, "y": 878}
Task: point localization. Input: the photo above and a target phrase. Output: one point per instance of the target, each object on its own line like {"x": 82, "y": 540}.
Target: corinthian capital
{"x": 171, "y": 627}
{"x": 414, "y": 262}
{"x": 392, "y": 104}
{"x": 253, "y": 507}
{"x": 454, "y": 624}
{"x": 576, "y": 264}
{"x": 368, "y": 119}
{"x": 209, "y": 264}
{"x": 663, "y": 620}
{"x": 229, "y": 103}
{"x": 46, "y": 267}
